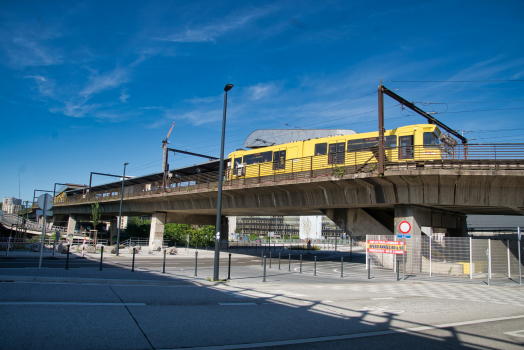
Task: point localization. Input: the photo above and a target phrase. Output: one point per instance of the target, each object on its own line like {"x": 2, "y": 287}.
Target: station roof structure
{"x": 195, "y": 169}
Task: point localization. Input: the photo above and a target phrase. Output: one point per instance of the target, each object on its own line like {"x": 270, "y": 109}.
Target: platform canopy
{"x": 269, "y": 137}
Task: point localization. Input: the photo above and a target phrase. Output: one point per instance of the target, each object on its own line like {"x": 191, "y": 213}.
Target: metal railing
{"x": 24, "y": 224}
{"x": 336, "y": 165}
{"x": 135, "y": 241}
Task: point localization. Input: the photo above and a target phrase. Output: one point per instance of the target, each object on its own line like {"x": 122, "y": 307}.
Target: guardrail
{"x": 469, "y": 156}
{"x": 22, "y": 223}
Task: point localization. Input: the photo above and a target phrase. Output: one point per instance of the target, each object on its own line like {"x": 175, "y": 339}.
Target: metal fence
{"x": 465, "y": 157}
{"x": 456, "y": 256}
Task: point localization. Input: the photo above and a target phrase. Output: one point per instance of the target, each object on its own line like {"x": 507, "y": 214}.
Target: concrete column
{"x": 156, "y": 235}
{"x": 71, "y": 225}
{"x": 416, "y": 218}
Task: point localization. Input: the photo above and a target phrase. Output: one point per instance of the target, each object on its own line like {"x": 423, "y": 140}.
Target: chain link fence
{"x": 454, "y": 256}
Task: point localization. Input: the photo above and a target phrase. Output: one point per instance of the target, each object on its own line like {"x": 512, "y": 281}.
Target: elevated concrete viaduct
{"x": 362, "y": 203}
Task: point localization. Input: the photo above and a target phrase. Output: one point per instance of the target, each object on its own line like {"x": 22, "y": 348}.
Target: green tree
{"x": 137, "y": 227}
{"x": 95, "y": 214}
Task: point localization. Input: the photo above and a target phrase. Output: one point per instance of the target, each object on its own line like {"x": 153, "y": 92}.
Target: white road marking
{"x": 519, "y": 334}
{"x": 68, "y": 303}
{"x": 352, "y": 336}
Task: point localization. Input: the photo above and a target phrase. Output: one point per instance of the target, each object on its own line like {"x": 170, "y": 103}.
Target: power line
{"x": 453, "y": 81}
{"x": 482, "y": 110}
{"x": 429, "y": 103}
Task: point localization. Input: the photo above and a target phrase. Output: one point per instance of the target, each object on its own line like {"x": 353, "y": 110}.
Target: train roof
{"x": 269, "y": 137}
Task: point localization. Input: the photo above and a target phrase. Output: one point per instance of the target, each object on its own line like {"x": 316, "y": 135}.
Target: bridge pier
{"x": 71, "y": 224}
{"x": 156, "y": 235}
{"x": 455, "y": 225}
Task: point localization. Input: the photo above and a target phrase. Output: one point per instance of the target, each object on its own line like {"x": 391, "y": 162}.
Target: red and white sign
{"x": 386, "y": 247}
{"x": 404, "y": 227}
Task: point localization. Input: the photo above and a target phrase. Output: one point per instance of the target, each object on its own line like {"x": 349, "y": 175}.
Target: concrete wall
{"x": 356, "y": 222}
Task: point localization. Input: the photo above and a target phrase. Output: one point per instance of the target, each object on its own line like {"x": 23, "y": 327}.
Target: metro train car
{"x": 403, "y": 144}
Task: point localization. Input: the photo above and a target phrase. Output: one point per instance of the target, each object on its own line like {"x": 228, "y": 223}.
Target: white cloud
{"x": 98, "y": 83}
{"x": 123, "y": 96}
{"x": 45, "y": 85}
{"x": 261, "y": 90}
{"x": 24, "y": 52}
{"x": 200, "y": 100}
{"x": 209, "y": 33}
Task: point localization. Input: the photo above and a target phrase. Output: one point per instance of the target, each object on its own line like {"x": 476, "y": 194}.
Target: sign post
{"x": 404, "y": 227}
{"x": 520, "y": 267}
{"x": 45, "y": 202}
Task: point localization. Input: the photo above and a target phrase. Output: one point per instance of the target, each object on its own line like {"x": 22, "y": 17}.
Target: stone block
{"x": 90, "y": 249}
{"x": 171, "y": 250}
{"x": 130, "y": 250}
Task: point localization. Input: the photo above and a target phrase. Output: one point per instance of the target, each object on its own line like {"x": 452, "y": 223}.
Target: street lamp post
{"x": 120, "y": 212}
{"x": 219, "y": 197}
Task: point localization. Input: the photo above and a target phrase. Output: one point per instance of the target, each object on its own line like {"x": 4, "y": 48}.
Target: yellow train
{"x": 407, "y": 143}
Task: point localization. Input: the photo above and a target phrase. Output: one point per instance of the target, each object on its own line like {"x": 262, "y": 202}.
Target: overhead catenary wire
{"x": 454, "y": 81}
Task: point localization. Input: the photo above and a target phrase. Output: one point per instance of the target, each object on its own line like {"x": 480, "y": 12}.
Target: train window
{"x": 430, "y": 139}
{"x": 237, "y": 162}
{"x": 279, "y": 160}
{"x": 337, "y": 153}
{"x": 354, "y": 144}
{"x": 369, "y": 142}
{"x": 320, "y": 149}
{"x": 256, "y": 158}
{"x": 391, "y": 141}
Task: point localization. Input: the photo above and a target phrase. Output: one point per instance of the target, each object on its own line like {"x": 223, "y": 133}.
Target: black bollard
{"x": 164, "y": 265}
{"x": 101, "y": 256}
{"x": 279, "y": 261}
{"x": 67, "y": 258}
{"x": 289, "y": 262}
{"x": 261, "y": 258}
{"x": 315, "y": 266}
{"x": 196, "y": 262}
{"x": 269, "y": 259}
{"x": 229, "y": 268}
{"x": 341, "y": 267}
{"x": 398, "y": 271}
{"x": 300, "y": 263}
{"x": 133, "y": 265}
{"x": 264, "y": 269}
{"x": 369, "y": 269}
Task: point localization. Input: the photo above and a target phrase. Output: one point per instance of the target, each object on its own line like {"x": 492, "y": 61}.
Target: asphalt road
{"x": 257, "y": 315}
{"x": 180, "y": 260}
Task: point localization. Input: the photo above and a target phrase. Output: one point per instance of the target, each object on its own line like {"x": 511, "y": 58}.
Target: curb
{"x": 92, "y": 280}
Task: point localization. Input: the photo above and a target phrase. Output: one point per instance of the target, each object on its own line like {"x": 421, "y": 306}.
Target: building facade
{"x": 303, "y": 227}
{"x": 11, "y": 205}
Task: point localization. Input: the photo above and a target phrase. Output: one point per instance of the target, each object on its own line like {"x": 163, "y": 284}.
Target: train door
{"x": 337, "y": 152}
{"x": 279, "y": 160}
{"x": 405, "y": 146}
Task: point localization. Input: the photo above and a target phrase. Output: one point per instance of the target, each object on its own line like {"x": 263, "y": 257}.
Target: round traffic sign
{"x": 48, "y": 199}
{"x": 404, "y": 227}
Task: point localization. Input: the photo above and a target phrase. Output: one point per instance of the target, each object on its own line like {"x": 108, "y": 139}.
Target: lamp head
{"x": 126, "y": 163}
{"x": 228, "y": 87}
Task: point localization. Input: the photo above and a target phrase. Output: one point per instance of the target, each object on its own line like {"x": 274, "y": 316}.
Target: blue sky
{"x": 89, "y": 85}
